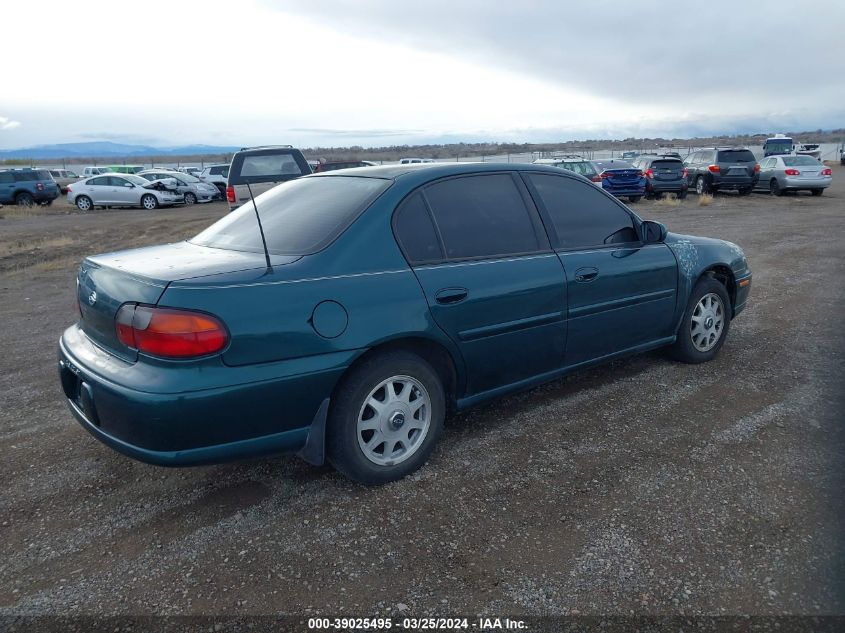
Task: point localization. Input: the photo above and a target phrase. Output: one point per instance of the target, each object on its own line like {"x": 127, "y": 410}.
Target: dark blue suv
{"x": 26, "y": 187}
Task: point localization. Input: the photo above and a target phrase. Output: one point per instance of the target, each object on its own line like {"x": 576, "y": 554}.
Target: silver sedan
{"x": 793, "y": 172}
{"x": 194, "y": 189}
{"x": 119, "y": 190}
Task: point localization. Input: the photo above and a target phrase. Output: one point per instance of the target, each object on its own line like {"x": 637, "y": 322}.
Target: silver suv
{"x": 216, "y": 175}
{"x": 258, "y": 169}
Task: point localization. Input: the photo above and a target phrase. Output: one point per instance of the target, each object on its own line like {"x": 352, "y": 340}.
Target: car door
{"x": 99, "y": 189}
{"x": 7, "y": 187}
{"x": 766, "y": 170}
{"x": 690, "y": 162}
{"x": 621, "y": 292}
{"x": 491, "y": 280}
{"x": 123, "y": 191}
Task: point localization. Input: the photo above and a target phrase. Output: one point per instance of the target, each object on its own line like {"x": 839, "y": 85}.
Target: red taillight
{"x": 827, "y": 171}
{"x": 39, "y": 186}
{"x": 756, "y": 167}
{"x": 685, "y": 174}
{"x": 715, "y": 169}
{"x": 596, "y": 178}
{"x": 69, "y": 189}
{"x": 791, "y": 172}
{"x": 648, "y": 173}
{"x": 168, "y": 332}
{"x": 230, "y": 193}
{"x": 604, "y": 175}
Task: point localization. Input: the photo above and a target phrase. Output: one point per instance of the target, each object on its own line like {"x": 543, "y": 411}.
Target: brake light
{"x": 230, "y": 193}
{"x": 69, "y": 189}
{"x": 791, "y": 172}
{"x": 169, "y": 332}
{"x": 715, "y": 169}
{"x": 685, "y": 173}
{"x": 604, "y": 175}
{"x": 648, "y": 173}
{"x": 756, "y": 167}
{"x": 596, "y": 178}
{"x": 827, "y": 171}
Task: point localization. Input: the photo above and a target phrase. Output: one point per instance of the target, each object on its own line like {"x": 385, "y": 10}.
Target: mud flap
{"x": 314, "y": 451}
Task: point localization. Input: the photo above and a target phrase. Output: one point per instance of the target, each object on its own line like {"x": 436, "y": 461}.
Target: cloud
{"x": 731, "y": 56}
{"x": 8, "y": 124}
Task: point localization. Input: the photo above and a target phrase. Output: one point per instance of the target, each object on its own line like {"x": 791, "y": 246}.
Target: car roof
{"x": 432, "y": 171}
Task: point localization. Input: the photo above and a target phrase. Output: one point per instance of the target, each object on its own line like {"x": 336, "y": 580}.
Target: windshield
{"x": 583, "y": 168}
{"x": 800, "y": 161}
{"x": 187, "y": 178}
{"x": 135, "y": 179}
{"x": 299, "y": 217}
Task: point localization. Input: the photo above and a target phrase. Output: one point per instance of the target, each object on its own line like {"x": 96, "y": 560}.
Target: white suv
{"x": 217, "y": 175}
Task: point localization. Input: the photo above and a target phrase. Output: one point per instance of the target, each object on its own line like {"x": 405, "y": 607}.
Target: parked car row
{"x": 706, "y": 171}
{"x": 122, "y": 190}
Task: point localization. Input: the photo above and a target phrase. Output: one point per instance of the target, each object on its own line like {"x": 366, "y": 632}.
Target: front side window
{"x": 299, "y": 217}
{"x": 482, "y": 216}
{"x": 582, "y": 215}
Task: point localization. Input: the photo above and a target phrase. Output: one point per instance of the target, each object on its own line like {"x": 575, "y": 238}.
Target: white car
{"x": 94, "y": 171}
{"x": 413, "y": 161}
{"x": 192, "y": 188}
{"x": 121, "y": 190}
{"x": 217, "y": 175}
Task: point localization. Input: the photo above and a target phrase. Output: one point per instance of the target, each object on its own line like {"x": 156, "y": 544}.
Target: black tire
{"x": 342, "y": 439}
{"x": 817, "y": 192}
{"x": 682, "y": 195}
{"x": 774, "y": 187}
{"x": 149, "y": 202}
{"x": 47, "y": 203}
{"x": 190, "y": 199}
{"x": 84, "y": 203}
{"x": 701, "y": 186}
{"x": 745, "y": 191}
{"x": 24, "y": 199}
{"x": 221, "y": 188}
{"x": 634, "y": 199}
{"x": 684, "y": 349}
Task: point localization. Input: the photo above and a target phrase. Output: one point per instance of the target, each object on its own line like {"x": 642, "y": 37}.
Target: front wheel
{"x": 149, "y": 202}
{"x": 190, "y": 199}
{"x": 385, "y": 418}
{"x": 705, "y": 324}
{"x": 817, "y": 192}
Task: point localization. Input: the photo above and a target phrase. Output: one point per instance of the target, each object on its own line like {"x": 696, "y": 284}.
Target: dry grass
{"x": 668, "y": 200}
{"x": 26, "y": 246}
{"x": 14, "y": 211}
{"x": 705, "y": 200}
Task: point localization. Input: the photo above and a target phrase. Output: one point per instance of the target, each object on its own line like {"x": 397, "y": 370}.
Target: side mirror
{"x": 653, "y": 232}
{"x": 129, "y": 184}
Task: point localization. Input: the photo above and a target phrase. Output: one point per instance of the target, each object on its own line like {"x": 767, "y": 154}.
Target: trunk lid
{"x": 667, "y": 169}
{"x": 622, "y": 175}
{"x": 106, "y": 282}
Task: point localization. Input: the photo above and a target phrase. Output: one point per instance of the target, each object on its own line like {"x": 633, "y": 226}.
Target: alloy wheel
{"x": 707, "y": 324}
{"x": 394, "y": 420}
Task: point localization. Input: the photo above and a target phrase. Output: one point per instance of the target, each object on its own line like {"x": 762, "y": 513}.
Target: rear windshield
{"x": 299, "y": 217}
{"x": 800, "y": 161}
{"x": 667, "y": 164}
{"x": 735, "y": 156}
{"x": 267, "y": 167}
{"x": 584, "y": 168}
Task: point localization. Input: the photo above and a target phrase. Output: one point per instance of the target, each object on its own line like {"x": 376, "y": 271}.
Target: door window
{"x": 482, "y": 216}
{"x": 102, "y": 181}
{"x": 583, "y": 216}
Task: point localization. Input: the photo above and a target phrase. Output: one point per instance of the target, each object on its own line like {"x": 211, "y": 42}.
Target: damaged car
{"x": 123, "y": 190}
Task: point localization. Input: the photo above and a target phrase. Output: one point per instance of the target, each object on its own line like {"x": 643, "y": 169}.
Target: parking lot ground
{"x": 643, "y": 486}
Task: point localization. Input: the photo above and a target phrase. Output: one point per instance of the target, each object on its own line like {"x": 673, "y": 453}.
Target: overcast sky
{"x": 382, "y": 72}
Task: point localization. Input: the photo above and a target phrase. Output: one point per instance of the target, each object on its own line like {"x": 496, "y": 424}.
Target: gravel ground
{"x": 643, "y": 486}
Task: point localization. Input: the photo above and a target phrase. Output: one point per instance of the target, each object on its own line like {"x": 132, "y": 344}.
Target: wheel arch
{"x": 724, "y": 275}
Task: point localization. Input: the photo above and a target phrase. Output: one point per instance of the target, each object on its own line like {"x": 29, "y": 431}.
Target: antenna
{"x": 260, "y": 227}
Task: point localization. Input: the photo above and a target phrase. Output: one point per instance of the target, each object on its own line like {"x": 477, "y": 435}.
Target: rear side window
{"x": 299, "y": 217}
{"x": 6, "y": 177}
{"x": 416, "y": 233}
{"x": 582, "y": 215}
{"x": 25, "y": 176}
{"x": 481, "y": 216}
{"x": 735, "y": 156}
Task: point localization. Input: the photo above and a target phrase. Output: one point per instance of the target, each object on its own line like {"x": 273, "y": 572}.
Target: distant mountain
{"x": 97, "y": 149}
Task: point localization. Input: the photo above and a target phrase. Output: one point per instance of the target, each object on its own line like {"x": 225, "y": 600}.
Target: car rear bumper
{"x": 191, "y": 426}
{"x": 793, "y": 182}
{"x": 734, "y": 182}
{"x": 626, "y": 191}
{"x": 667, "y": 185}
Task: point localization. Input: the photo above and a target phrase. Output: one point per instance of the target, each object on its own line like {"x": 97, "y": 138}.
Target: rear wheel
{"x": 701, "y": 186}
{"x": 84, "y": 203}
{"x": 817, "y": 192}
{"x": 190, "y": 199}
{"x": 385, "y": 418}
{"x": 705, "y": 324}
{"x": 634, "y": 198}
{"x": 774, "y": 187}
{"x": 682, "y": 194}
{"x": 24, "y": 200}
{"x": 149, "y": 202}
{"x": 745, "y": 191}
